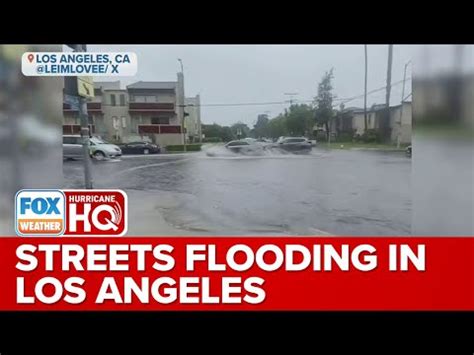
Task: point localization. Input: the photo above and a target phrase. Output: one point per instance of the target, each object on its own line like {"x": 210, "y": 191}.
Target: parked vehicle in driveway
{"x": 101, "y": 149}
{"x": 293, "y": 144}
{"x": 244, "y": 147}
{"x": 98, "y": 148}
{"x": 140, "y": 148}
{"x": 72, "y": 147}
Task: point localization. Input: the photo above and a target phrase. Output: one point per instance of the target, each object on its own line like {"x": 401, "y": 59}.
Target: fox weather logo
{"x": 40, "y": 212}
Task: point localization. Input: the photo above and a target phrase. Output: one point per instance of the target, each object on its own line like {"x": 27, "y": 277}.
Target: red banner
{"x": 229, "y": 273}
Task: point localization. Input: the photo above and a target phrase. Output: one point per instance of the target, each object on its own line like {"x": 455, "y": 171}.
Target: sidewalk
{"x": 145, "y": 215}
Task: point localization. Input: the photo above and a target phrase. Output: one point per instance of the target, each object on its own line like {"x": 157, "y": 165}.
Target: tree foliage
{"x": 300, "y": 120}
{"x": 261, "y": 128}
{"x": 224, "y": 133}
{"x": 323, "y": 101}
{"x": 277, "y": 127}
{"x": 240, "y": 130}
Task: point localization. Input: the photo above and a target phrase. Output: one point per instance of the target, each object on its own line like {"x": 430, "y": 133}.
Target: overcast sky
{"x": 263, "y": 73}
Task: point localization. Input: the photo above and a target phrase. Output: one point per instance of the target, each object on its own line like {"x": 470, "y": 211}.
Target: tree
{"x": 323, "y": 102}
{"x": 224, "y": 133}
{"x": 211, "y": 130}
{"x": 240, "y": 130}
{"x": 277, "y": 126}
{"x": 260, "y": 129}
{"x": 299, "y": 119}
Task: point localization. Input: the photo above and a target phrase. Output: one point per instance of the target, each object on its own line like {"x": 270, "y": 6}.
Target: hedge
{"x": 180, "y": 148}
{"x": 212, "y": 140}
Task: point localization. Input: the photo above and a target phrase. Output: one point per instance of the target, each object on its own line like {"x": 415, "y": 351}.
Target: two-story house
{"x": 153, "y": 111}
{"x": 145, "y": 110}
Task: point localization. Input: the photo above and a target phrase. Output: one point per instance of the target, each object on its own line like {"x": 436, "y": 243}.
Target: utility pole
{"x": 291, "y": 95}
{"x": 365, "y": 89}
{"x": 403, "y": 98}
{"x": 387, "y": 97}
{"x": 182, "y": 102}
{"x": 85, "y": 133}
{"x": 198, "y": 113}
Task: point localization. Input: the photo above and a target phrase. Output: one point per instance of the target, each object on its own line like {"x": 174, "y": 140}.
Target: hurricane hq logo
{"x": 71, "y": 212}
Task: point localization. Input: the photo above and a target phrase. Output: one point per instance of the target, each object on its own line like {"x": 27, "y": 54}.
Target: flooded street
{"x": 328, "y": 191}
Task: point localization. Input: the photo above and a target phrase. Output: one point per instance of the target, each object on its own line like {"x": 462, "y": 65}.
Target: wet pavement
{"x": 328, "y": 191}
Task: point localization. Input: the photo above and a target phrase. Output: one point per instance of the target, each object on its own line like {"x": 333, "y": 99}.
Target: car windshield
{"x": 237, "y": 143}
{"x": 295, "y": 140}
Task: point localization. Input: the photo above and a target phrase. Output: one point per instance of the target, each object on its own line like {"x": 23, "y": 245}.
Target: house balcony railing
{"x": 151, "y": 107}
{"x": 158, "y": 129}
{"x": 92, "y": 107}
{"x": 76, "y": 129}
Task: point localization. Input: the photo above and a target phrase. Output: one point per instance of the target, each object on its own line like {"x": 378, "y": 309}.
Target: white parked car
{"x": 98, "y": 149}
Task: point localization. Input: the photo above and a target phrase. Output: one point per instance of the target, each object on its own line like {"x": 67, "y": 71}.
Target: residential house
{"x": 154, "y": 112}
{"x": 113, "y": 123}
{"x": 398, "y": 128}
{"x": 401, "y": 123}
{"x": 95, "y": 107}
{"x": 145, "y": 110}
{"x": 358, "y": 119}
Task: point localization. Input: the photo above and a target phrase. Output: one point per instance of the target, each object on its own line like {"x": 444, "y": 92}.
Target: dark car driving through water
{"x": 140, "y": 148}
{"x": 293, "y": 145}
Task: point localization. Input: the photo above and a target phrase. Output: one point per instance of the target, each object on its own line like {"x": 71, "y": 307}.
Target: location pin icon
{"x": 30, "y": 57}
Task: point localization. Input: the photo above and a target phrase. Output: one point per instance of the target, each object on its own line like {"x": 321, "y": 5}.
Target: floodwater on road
{"x": 328, "y": 191}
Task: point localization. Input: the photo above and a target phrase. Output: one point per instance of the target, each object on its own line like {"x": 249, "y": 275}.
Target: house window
{"x": 112, "y": 99}
{"x": 131, "y": 98}
{"x": 124, "y": 121}
{"x": 115, "y": 122}
{"x": 122, "y": 100}
{"x": 160, "y": 120}
{"x": 145, "y": 98}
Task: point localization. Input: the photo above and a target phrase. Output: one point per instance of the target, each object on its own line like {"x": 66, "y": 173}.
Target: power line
{"x": 343, "y": 100}
{"x": 244, "y": 104}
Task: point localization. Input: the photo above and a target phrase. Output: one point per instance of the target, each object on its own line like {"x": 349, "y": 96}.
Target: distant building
{"x": 358, "y": 124}
{"x": 351, "y": 121}
{"x": 114, "y": 122}
{"x": 143, "y": 111}
{"x": 154, "y": 112}
{"x": 401, "y": 124}
{"x": 95, "y": 107}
